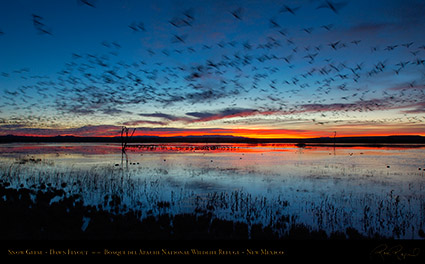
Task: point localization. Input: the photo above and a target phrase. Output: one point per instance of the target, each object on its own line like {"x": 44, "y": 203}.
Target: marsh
{"x": 368, "y": 190}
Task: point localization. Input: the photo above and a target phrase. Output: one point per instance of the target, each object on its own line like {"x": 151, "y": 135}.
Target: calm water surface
{"x": 375, "y": 190}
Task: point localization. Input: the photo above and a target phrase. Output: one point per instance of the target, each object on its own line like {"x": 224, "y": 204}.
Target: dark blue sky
{"x": 252, "y": 68}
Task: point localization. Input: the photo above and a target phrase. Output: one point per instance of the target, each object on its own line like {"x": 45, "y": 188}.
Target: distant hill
{"x": 223, "y": 139}
{"x": 403, "y": 139}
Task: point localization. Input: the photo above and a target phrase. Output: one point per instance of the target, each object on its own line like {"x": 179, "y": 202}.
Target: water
{"x": 374, "y": 190}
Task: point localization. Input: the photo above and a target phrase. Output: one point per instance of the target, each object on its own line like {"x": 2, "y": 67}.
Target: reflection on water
{"x": 374, "y": 190}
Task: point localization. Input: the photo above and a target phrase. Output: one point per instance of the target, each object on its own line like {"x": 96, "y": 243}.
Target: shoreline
{"x": 323, "y": 141}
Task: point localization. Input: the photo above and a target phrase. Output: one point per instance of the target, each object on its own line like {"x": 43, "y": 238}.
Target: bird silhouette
{"x": 308, "y": 30}
{"x": 390, "y": 47}
{"x": 273, "y": 23}
{"x": 288, "y": 9}
{"x": 334, "y": 45}
{"x": 282, "y": 65}
{"x": 189, "y": 14}
{"x": 39, "y": 25}
{"x": 137, "y": 26}
{"x": 180, "y": 22}
{"x": 179, "y": 38}
{"x": 237, "y": 13}
{"x": 334, "y": 6}
{"x": 89, "y": 3}
{"x": 328, "y": 27}
{"x": 407, "y": 45}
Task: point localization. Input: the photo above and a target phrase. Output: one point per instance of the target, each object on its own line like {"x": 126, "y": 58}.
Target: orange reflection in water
{"x": 115, "y": 148}
{"x": 200, "y": 147}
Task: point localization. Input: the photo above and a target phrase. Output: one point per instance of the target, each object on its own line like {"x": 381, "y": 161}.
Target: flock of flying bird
{"x": 244, "y": 78}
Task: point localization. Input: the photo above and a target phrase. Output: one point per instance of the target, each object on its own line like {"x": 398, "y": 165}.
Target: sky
{"x": 261, "y": 69}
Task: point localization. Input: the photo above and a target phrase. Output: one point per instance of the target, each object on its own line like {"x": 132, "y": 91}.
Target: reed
{"x": 105, "y": 190}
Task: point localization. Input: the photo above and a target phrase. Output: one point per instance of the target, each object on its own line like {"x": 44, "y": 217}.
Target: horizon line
{"x": 207, "y": 135}
{"x": 216, "y": 136}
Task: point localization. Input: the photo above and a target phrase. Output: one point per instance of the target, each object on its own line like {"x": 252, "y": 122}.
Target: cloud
{"x": 407, "y": 86}
{"x": 112, "y": 111}
{"x": 208, "y": 95}
{"x": 143, "y": 122}
{"x": 226, "y": 113}
{"x": 358, "y": 106}
{"x": 419, "y": 109}
{"x": 165, "y": 116}
{"x": 84, "y": 131}
{"x": 13, "y": 126}
{"x": 368, "y": 27}
{"x": 205, "y": 116}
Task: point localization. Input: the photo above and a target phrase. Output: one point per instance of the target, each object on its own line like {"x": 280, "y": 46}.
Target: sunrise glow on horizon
{"x": 245, "y": 133}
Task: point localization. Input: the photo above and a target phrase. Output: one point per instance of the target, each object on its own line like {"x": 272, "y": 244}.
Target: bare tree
{"x": 125, "y": 138}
